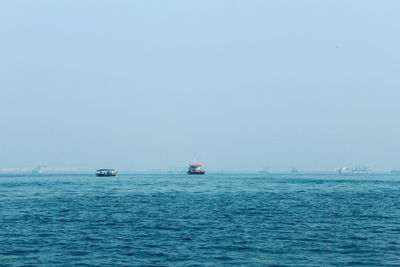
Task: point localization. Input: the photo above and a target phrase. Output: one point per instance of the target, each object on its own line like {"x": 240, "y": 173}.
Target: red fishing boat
{"x": 195, "y": 169}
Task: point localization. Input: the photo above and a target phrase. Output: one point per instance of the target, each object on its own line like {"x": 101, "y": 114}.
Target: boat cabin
{"x": 106, "y": 172}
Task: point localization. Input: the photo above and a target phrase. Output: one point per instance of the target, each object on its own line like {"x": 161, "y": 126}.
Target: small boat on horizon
{"x": 39, "y": 169}
{"x": 354, "y": 171}
{"x": 106, "y": 172}
{"x": 196, "y": 169}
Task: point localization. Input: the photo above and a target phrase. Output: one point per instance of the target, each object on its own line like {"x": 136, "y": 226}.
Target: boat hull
{"x": 106, "y": 175}
{"x": 195, "y": 173}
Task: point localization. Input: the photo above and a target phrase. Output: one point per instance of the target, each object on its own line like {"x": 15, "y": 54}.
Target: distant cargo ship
{"x": 106, "y": 172}
{"x": 353, "y": 171}
{"x": 195, "y": 169}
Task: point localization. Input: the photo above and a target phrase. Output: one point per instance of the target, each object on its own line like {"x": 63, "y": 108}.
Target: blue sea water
{"x": 211, "y": 220}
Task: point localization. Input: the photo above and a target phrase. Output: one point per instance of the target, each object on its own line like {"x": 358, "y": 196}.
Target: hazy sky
{"x": 238, "y": 85}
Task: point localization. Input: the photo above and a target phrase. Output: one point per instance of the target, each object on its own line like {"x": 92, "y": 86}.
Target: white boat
{"x": 353, "y": 171}
{"x": 106, "y": 172}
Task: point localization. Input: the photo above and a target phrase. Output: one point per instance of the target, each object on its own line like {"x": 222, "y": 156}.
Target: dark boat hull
{"x": 106, "y": 175}
{"x": 195, "y": 173}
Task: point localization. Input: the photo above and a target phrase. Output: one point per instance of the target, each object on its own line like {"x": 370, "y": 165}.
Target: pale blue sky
{"x": 239, "y": 85}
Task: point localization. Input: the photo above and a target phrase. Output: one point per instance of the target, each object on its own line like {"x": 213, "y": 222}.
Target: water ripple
{"x": 176, "y": 220}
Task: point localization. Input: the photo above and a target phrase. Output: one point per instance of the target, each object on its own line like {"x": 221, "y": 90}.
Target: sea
{"x": 210, "y": 220}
